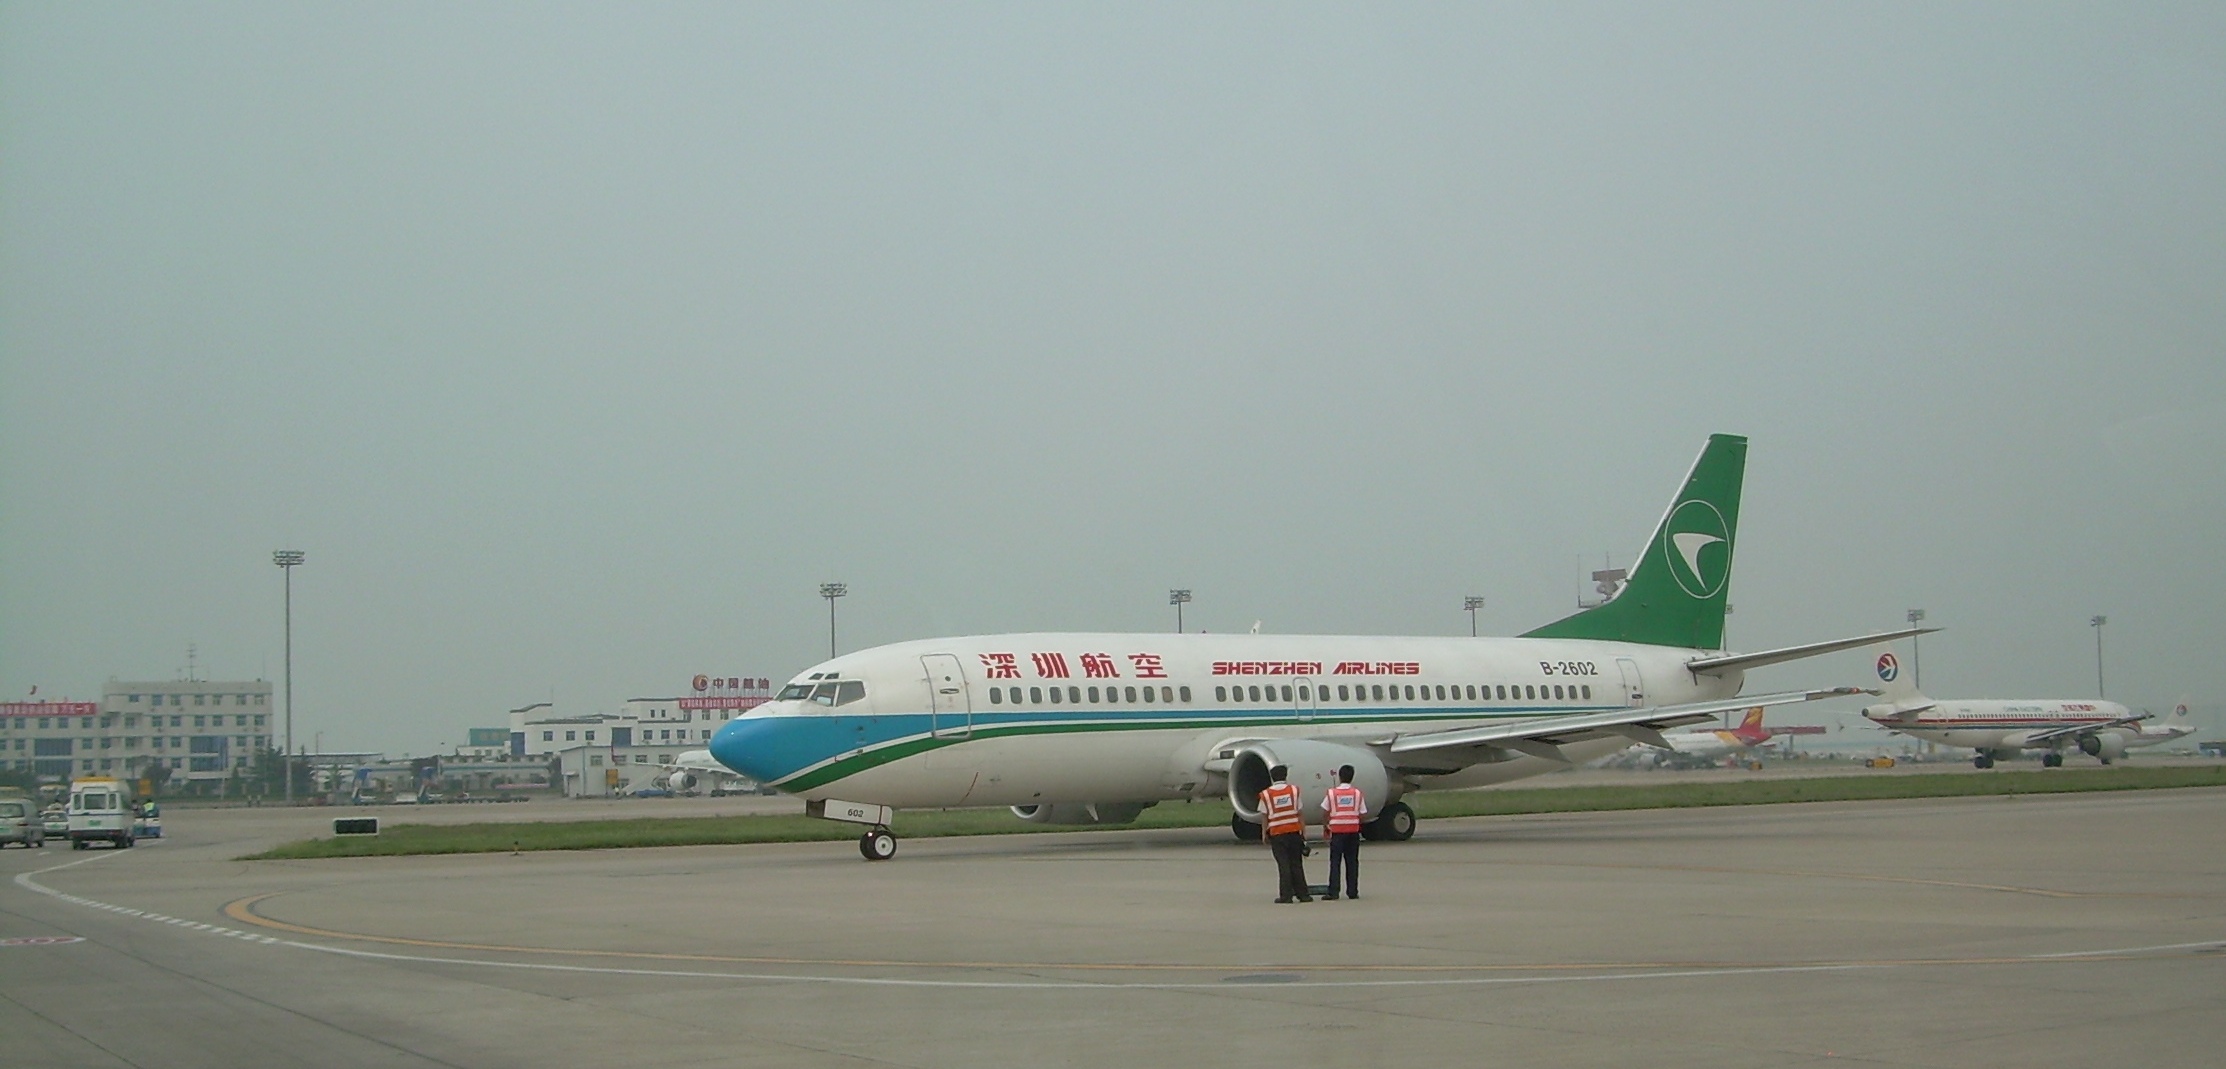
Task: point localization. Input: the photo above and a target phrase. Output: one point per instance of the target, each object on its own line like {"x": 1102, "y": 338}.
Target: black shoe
{"x": 1306, "y": 898}
{"x": 1282, "y": 901}
{"x": 1329, "y": 898}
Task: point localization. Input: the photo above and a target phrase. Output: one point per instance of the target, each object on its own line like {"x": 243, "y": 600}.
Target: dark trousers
{"x": 1344, "y": 847}
{"x": 1290, "y": 864}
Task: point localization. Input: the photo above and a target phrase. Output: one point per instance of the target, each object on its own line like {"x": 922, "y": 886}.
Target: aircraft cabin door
{"x": 1634, "y": 685}
{"x": 1304, "y": 699}
{"x": 950, "y": 706}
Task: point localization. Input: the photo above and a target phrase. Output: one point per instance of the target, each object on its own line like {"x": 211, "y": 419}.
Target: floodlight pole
{"x": 1179, "y": 598}
{"x": 287, "y": 560}
{"x": 1916, "y": 650}
{"x": 1472, "y": 603}
{"x": 2097, "y": 623}
{"x": 831, "y": 591}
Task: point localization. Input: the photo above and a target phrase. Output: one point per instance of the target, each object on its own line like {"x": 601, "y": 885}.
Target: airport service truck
{"x": 100, "y": 809}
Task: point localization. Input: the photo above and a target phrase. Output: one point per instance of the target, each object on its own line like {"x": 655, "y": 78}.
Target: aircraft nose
{"x": 744, "y": 744}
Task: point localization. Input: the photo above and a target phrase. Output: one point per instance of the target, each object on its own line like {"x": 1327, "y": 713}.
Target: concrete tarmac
{"x": 2028, "y": 931}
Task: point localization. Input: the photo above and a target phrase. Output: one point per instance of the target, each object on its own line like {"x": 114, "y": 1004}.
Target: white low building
{"x": 604, "y": 754}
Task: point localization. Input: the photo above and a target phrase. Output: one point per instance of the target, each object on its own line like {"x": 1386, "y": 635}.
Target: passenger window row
{"x": 1093, "y": 695}
{"x": 1363, "y": 692}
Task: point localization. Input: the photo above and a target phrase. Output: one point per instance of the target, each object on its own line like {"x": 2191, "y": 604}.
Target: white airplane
{"x": 1715, "y": 744}
{"x": 693, "y": 767}
{"x": 1096, "y": 728}
{"x": 1999, "y": 730}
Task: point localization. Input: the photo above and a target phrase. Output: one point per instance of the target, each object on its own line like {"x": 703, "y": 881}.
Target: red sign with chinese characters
{"x": 49, "y": 708}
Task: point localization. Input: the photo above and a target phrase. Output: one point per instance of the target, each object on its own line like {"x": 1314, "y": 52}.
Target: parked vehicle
{"x": 55, "y": 822}
{"x": 20, "y": 823}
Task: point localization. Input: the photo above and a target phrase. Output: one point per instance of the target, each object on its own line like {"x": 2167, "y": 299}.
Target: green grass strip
{"x": 699, "y": 831}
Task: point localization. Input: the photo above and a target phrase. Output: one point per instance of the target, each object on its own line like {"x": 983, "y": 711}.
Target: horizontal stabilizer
{"x": 1739, "y": 662}
{"x": 1555, "y": 730}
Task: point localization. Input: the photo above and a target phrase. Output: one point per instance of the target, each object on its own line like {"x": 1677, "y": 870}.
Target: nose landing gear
{"x": 877, "y": 845}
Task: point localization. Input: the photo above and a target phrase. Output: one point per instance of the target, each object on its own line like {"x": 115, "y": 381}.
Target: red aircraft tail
{"x": 1750, "y": 730}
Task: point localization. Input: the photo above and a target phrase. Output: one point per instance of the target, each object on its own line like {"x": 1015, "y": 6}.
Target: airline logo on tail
{"x": 1889, "y": 667}
{"x": 1692, "y": 529}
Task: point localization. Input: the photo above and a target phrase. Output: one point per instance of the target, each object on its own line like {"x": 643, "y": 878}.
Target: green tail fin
{"x": 1675, "y": 594}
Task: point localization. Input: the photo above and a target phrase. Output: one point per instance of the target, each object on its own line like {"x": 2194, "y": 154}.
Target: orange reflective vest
{"x": 1345, "y": 806}
{"x": 1280, "y": 805}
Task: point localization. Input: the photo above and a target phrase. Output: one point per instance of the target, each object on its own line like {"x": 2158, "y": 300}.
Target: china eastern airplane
{"x": 1096, "y": 728}
{"x": 1999, "y": 730}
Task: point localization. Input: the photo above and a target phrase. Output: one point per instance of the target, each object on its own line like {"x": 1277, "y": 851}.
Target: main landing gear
{"x": 2052, "y": 760}
{"x": 1394, "y": 824}
{"x": 1984, "y": 760}
{"x": 878, "y": 844}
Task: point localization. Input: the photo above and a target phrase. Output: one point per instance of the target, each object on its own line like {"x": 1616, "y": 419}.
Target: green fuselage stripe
{"x": 843, "y": 767}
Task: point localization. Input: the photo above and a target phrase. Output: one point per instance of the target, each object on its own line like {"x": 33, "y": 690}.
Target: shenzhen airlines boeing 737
{"x": 2000, "y": 729}
{"x": 1096, "y": 728}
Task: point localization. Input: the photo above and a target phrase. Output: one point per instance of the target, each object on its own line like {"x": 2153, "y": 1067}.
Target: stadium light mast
{"x": 1179, "y": 598}
{"x": 1470, "y": 604}
{"x": 287, "y": 560}
{"x": 1916, "y": 650}
{"x": 831, "y": 591}
{"x": 2097, "y": 623}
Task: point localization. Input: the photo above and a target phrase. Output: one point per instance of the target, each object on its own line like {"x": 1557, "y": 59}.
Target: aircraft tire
{"x": 1396, "y": 824}
{"x": 877, "y": 845}
{"x": 1245, "y": 830}
{"x": 1982, "y": 761}
{"x": 2052, "y": 760}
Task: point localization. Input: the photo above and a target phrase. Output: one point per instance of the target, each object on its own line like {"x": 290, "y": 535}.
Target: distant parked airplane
{"x": 2001, "y": 729}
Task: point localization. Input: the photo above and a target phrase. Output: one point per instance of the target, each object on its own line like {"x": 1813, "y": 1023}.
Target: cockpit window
{"x": 848, "y": 691}
{"x": 824, "y": 694}
{"x": 794, "y": 692}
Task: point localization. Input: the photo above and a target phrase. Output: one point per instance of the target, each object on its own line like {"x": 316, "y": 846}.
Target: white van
{"x": 99, "y": 809}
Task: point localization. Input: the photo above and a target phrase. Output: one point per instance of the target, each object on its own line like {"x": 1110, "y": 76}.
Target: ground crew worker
{"x": 1286, "y": 836}
{"x": 1344, "y": 805}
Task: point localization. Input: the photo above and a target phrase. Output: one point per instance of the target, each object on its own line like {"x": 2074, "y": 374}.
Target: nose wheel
{"x": 877, "y": 845}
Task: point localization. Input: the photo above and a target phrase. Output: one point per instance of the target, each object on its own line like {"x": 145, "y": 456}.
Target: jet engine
{"x": 1313, "y": 770}
{"x": 679, "y": 780}
{"x": 2108, "y": 745}
{"x": 1082, "y": 812}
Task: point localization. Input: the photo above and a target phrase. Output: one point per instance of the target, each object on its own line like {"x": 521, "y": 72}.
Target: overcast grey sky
{"x": 577, "y": 345}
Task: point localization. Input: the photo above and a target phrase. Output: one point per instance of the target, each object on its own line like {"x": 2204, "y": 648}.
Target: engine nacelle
{"x": 1082, "y": 812}
{"x": 1313, "y": 770}
{"x": 679, "y": 780}
{"x": 2108, "y": 745}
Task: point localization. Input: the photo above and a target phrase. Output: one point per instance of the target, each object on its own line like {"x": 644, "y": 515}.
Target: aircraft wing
{"x": 1729, "y": 662}
{"x": 2052, "y": 734}
{"x": 1544, "y": 736}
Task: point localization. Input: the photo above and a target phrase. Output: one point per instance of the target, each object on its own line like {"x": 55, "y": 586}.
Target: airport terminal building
{"x": 190, "y": 733}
